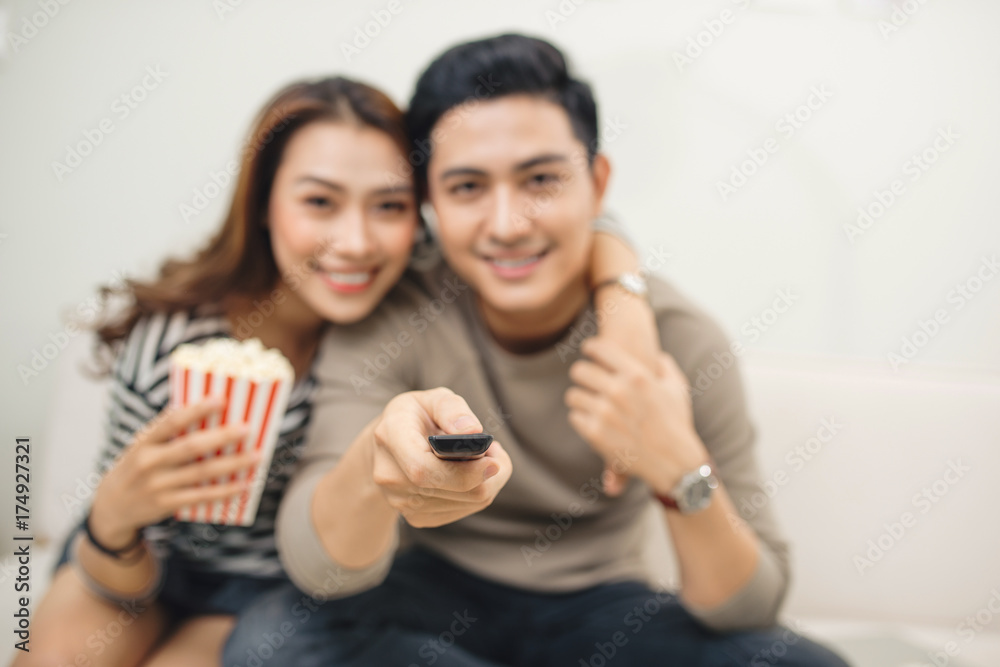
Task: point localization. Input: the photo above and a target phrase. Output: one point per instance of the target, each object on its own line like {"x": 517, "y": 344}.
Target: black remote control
{"x": 462, "y": 447}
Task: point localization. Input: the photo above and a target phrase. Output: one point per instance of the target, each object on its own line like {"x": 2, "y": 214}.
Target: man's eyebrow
{"x": 521, "y": 166}
{"x": 541, "y": 159}
{"x": 462, "y": 171}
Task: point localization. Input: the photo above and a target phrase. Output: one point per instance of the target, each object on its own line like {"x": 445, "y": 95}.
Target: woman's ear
{"x": 601, "y": 173}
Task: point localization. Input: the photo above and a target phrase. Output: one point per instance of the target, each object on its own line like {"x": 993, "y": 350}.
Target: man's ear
{"x": 601, "y": 173}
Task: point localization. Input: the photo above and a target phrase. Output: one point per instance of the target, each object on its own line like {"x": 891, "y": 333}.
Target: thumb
{"x": 450, "y": 412}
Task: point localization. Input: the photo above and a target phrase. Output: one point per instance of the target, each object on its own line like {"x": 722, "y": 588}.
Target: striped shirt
{"x": 140, "y": 391}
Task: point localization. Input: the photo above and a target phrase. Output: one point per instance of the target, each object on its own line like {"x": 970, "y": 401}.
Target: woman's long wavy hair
{"x": 238, "y": 261}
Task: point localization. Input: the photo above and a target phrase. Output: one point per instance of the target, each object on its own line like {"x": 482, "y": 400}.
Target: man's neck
{"x": 527, "y": 332}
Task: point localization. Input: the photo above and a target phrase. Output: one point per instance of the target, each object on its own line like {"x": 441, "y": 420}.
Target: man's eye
{"x": 543, "y": 180}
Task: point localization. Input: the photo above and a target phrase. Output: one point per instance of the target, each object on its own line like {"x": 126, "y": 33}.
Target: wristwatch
{"x": 693, "y": 493}
{"x": 630, "y": 282}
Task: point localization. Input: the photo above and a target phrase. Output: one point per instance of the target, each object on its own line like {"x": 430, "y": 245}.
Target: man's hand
{"x": 639, "y": 420}
{"x": 425, "y": 490}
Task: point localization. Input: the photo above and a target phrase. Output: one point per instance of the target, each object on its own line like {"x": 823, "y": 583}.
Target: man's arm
{"x": 367, "y": 462}
{"x": 731, "y": 578}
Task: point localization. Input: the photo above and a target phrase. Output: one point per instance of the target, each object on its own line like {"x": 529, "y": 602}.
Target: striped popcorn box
{"x": 256, "y": 383}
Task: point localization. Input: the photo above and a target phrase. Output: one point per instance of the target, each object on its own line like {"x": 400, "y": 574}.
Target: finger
{"x": 611, "y": 355}
{"x": 402, "y": 435}
{"x": 189, "y": 447}
{"x": 590, "y": 375}
{"x": 204, "y": 494}
{"x": 587, "y": 425}
{"x": 195, "y": 472}
{"x": 582, "y": 400}
{"x": 614, "y": 483}
{"x": 169, "y": 423}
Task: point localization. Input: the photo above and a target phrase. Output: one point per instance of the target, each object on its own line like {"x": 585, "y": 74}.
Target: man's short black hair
{"x": 487, "y": 69}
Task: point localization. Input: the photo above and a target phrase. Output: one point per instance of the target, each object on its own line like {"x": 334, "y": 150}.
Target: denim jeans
{"x": 428, "y": 612}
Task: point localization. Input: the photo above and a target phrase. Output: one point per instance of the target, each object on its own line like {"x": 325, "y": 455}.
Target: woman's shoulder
{"x": 143, "y": 358}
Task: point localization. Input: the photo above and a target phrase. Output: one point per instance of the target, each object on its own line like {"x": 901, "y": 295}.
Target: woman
{"x": 321, "y": 226}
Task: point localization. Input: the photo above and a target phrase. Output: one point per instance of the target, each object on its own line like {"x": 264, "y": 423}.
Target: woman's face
{"x": 342, "y": 219}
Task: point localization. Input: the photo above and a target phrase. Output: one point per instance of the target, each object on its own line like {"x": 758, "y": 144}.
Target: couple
{"x": 530, "y": 555}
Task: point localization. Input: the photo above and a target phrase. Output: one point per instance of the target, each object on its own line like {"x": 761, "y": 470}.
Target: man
{"x": 530, "y": 555}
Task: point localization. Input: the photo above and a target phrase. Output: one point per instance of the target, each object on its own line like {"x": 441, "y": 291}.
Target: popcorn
{"x": 256, "y": 383}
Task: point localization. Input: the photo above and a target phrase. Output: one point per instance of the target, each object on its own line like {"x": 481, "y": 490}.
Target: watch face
{"x": 698, "y": 495}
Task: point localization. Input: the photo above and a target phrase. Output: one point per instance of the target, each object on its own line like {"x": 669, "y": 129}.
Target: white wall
{"x": 684, "y": 131}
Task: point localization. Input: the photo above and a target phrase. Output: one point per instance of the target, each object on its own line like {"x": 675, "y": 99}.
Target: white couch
{"x": 892, "y": 435}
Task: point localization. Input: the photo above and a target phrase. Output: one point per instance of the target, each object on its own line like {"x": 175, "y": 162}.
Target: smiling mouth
{"x": 358, "y": 278}
{"x": 353, "y": 281}
{"x": 515, "y": 262}
{"x": 515, "y": 268}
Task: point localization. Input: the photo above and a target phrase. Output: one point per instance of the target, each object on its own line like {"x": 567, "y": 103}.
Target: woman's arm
{"x": 155, "y": 476}
{"x": 622, "y": 316}
{"x": 628, "y": 318}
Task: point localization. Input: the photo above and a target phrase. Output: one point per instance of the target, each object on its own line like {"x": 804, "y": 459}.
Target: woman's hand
{"x": 159, "y": 472}
{"x": 624, "y": 318}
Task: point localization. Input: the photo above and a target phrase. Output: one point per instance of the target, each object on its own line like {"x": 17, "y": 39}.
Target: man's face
{"x": 514, "y": 197}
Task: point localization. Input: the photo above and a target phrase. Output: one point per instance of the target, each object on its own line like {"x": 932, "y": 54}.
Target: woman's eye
{"x": 393, "y": 206}
{"x": 318, "y": 202}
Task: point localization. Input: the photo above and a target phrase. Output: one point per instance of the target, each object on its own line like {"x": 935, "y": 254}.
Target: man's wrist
{"x": 679, "y": 462}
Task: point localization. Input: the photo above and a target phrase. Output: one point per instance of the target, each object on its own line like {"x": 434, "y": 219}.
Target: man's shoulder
{"x": 687, "y": 330}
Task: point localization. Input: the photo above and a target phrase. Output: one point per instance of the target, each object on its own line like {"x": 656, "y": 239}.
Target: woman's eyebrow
{"x": 321, "y": 181}
{"x": 395, "y": 189}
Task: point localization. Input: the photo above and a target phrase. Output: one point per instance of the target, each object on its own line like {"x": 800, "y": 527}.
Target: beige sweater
{"x": 550, "y": 528}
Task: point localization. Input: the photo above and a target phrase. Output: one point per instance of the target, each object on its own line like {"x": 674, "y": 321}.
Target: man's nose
{"x": 507, "y": 222}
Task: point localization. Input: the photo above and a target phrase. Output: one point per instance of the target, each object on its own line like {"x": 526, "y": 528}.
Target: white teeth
{"x": 514, "y": 263}
{"x": 350, "y": 278}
